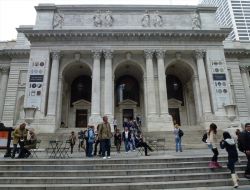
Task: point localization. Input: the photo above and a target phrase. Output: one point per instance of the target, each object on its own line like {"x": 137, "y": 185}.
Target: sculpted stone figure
{"x": 145, "y": 21}
{"x": 157, "y": 19}
{"x": 109, "y": 19}
{"x": 58, "y": 20}
{"x": 196, "y": 23}
{"x": 97, "y": 19}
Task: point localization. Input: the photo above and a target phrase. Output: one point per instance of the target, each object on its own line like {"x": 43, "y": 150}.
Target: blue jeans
{"x": 90, "y": 149}
{"x": 178, "y": 144}
{"x": 127, "y": 145}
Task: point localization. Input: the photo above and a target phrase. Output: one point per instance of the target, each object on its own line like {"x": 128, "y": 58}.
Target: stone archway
{"x": 181, "y": 102}
{"x": 128, "y": 92}
{"x": 76, "y": 95}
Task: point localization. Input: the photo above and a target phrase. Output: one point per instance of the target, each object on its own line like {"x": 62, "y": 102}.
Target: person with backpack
{"x": 211, "y": 142}
{"x": 229, "y": 144}
{"x": 90, "y": 141}
{"x": 244, "y": 146}
{"x": 178, "y": 136}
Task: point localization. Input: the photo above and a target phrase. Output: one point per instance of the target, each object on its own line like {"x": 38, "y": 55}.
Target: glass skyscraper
{"x": 235, "y": 14}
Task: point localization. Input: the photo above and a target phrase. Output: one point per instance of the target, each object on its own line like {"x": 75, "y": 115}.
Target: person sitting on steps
{"x": 139, "y": 142}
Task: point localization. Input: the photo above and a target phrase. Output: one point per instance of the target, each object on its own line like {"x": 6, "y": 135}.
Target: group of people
{"x": 26, "y": 139}
{"x": 230, "y": 144}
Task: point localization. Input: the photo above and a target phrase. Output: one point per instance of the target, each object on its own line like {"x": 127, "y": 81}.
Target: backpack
{"x": 180, "y": 133}
{"x": 204, "y": 138}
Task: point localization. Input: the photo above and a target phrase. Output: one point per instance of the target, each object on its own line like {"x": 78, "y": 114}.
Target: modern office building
{"x": 235, "y": 14}
{"x": 157, "y": 63}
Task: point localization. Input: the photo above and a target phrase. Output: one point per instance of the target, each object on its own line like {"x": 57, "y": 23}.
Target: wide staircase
{"x": 121, "y": 173}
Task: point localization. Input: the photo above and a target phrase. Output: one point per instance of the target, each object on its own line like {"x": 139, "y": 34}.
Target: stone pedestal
{"x": 231, "y": 111}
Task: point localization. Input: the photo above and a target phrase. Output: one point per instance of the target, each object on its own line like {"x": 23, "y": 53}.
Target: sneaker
{"x": 133, "y": 150}
{"x": 104, "y": 157}
{"x": 109, "y": 157}
{"x": 126, "y": 152}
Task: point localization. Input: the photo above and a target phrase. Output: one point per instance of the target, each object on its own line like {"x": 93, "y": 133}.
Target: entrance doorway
{"x": 128, "y": 114}
{"x": 81, "y": 118}
{"x": 175, "y": 113}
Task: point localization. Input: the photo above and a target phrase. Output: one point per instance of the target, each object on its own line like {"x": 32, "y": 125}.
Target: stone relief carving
{"x": 4, "y": 68}
{"x": 199, "y": 54}
{"x": 58, "y": 20}
{"x": 108, "y": 19}
{"x": 196, "y": 23}
{"x": 148, "y": 53}
{"x": 145, "y": 21}
{"x": 97, "y": 19}
{"x": 157, "y": 19}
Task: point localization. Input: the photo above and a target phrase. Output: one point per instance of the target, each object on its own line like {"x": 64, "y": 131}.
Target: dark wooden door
{"x": 128, "y": 114}
{"x": 81, "y": 118}
{"x": 175, "y": 113}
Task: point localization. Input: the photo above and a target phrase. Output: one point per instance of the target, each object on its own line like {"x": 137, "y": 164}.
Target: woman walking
{"x": 229, "y": 144}
{"x": 212, "y": 141}
{"x": 117, "y": 140}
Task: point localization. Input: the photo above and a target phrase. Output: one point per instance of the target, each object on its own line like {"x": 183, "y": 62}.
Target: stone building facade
{"x": 153, "y": 63}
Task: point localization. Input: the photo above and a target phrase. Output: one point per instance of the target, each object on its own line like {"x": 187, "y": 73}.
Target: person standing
{"x": 244, "y": 146}
{"x": 212, "y": 141}
{"x": 72, "y": 139}
{"x": 104, "y": 135}
{"x": 178, "y": 146}
{"x": 20, "y": 136}
{"x": 91, "y": 140}
{"x": 229, "y": 144}
{"x": 117, "y": 140}
{"x": 126, "y": 138}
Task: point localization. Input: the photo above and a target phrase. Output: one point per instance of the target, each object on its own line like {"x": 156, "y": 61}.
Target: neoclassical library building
{"x": 157, "y": 64}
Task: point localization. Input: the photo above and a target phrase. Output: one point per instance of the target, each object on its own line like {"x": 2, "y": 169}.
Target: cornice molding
{"x": 237, "y": 53}
{"x": 137, "y": 34}
{"x": 15, "y": 53}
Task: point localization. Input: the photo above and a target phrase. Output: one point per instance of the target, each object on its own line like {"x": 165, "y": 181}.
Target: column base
{"x": 162, "y": 122}
{"x": 94, "y": 120}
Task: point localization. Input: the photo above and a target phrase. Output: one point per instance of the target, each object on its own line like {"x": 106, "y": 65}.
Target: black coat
{"x": 123, "y": 136}
{"x": 244, "y": 141}
{"x": 231, "y": 149}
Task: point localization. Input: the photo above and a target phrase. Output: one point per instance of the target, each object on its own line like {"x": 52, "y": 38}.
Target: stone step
{"x": 109, "y": 166}
{"x": 126, "y": 186}
{"x": 88, "y": 173}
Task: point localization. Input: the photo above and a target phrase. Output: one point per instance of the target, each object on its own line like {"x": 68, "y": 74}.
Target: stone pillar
{"x": 108, "y": 87}
{"x": 95, "y": 117}
{"x": 53, "y": 85}
{"x": 203, "y": 82}
{"x": 151, "y": 102}
{"x": 197, "y": 98}
{"x": 3, "y": 87}
{"x": 162, "y": 82}
{"x": 246, "y": 84}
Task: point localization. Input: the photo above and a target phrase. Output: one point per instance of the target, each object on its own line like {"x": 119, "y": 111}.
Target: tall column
{"x": 96, "y": 89}
{"x": 3, "y": 87}
{"x": 53, "y": 85}
{"x": 162, "y": 82}
{"x": 150, "y": 82}
{"x": 203, "y": 82}
{"x": 246, "y": 84}
{"x": 197, "y": 98}
{"x": 108, "y": 90}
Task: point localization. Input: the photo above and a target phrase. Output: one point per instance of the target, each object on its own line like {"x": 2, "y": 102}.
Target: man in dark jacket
{"x": 244, "y": 146}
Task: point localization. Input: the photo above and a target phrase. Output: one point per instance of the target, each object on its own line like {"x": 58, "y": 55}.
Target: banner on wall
{"x": 35, "y": 85}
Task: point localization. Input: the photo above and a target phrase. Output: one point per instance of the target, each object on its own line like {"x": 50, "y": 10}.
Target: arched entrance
{"x": 76, "y": 99}
{"x": 129, "y": 100}
{"x": 180, "y": 92}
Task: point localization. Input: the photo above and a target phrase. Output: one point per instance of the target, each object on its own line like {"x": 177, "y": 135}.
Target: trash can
{"x": 5, "y": 139}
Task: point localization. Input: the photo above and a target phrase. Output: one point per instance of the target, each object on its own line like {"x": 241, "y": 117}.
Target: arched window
{"x": 127, "y": 87}
{"x": 81, "y": 89}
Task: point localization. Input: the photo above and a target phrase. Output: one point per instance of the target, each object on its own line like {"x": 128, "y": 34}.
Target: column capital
{"x": 55, "y": 55}
{"x": 97, "y": 53}
{"x": 160, "y": 53}
{"x": 4, "y": 68}
{"x": 148, "y": 53}
{"x": 244, "y": 68}
{"x": 108, "y": 53}
{"x": 200, "y": 53}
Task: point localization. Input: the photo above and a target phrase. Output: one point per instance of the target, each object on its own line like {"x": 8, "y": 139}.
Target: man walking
{"x": 244, "y": 146}
{"x": 104, "y": 135}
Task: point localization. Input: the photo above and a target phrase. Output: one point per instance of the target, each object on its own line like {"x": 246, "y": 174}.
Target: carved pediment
{"x": 128, "y": 102}
{"x": 81, "y": 103}
{"x": 172, "y": 102}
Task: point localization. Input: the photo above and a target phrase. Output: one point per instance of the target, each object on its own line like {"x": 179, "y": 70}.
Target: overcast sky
{"x": 21, "y": 12}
